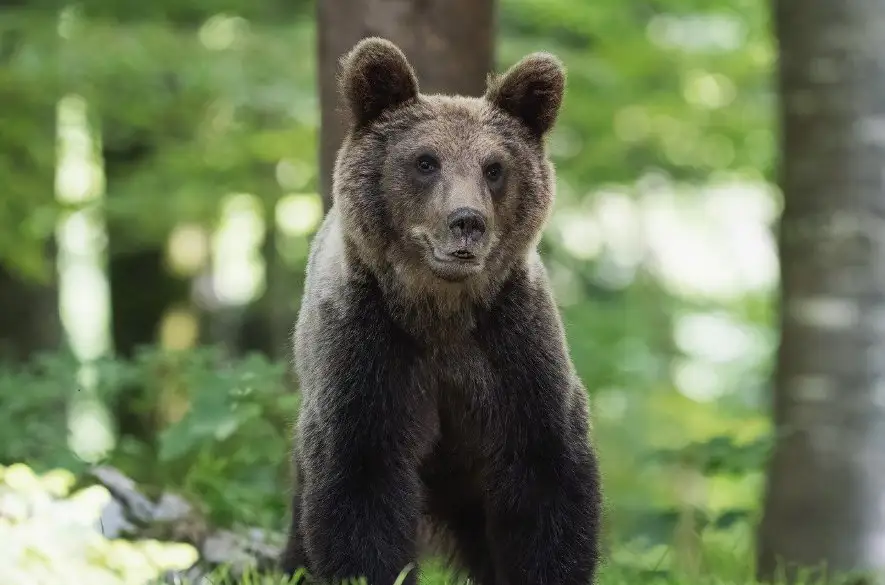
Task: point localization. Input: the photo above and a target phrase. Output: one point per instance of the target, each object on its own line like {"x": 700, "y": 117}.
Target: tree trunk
{"x": 142, "y": 290}
{"x": 825, "y": 500}
{"x": 450, "y": 43}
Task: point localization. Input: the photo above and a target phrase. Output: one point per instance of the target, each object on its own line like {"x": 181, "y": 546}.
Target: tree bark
{"x": 450, "y": 43}
{"x": 825, "y": 498}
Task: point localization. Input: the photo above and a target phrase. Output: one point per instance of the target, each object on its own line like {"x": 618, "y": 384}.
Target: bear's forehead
{"x": 454, "y": 126}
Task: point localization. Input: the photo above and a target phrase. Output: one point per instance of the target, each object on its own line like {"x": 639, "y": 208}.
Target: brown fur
{"x": 379, "y": 229}
{"x": 434, "y": 387}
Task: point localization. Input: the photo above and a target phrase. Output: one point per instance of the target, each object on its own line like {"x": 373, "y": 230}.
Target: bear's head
{"x": 444, "y": 194}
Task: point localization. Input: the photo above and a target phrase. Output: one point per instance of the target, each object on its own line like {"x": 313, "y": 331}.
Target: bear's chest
{"x": 461, "y": 384}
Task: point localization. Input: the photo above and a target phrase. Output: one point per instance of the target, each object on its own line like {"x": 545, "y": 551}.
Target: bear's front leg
{"x": 543, "y": 496}
{"x": 362, "y": 522}
{"x": 543, "y": 510}
{"x": 362, "y": 436}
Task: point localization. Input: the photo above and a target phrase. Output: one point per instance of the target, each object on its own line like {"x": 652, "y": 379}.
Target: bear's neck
{"x": 423, "y": 304}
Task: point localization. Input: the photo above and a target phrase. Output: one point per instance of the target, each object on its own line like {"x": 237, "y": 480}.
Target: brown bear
{"x": 437, "y": 384}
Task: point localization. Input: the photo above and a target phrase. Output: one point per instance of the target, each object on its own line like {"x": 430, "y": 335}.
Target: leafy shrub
{"x": 33, "y": 420}
{"x": 223, "y": 436}
{"x": 220, "y": 427}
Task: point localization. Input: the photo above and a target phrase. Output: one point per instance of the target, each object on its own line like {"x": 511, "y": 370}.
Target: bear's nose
{"x": 467, "y": 223}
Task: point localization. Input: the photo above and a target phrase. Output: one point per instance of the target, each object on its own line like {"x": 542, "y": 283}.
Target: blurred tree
{"x": 827, "y": 475}
{"x": 450, "y": 43}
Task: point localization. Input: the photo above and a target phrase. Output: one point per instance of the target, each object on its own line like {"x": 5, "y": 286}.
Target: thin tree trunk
{"x": 825, "y": 500}
{"x": 450, "y": 43}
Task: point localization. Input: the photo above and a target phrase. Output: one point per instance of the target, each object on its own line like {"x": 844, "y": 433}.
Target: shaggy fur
{"x": 436, "y": 380}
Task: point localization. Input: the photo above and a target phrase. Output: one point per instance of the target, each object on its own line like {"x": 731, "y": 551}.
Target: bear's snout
{"x": 467, "y": 226}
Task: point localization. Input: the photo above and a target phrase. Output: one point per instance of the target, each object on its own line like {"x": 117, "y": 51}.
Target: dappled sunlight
{"x": 697, "y": 380}
{"x": 293, "y": 174}
{"x": 81, "y": 237}
{"x": 179, "y": 329}
{"x": 620, "y": 226}
{"x": 714, "y": 242}
{"x": 580, "y": 235}
{"x": 708, "y": 90}
{"x": 49, "y": 535}
{"x": 90, "y": 425}
{"x": 707, "y": 33}
{"x": 188, "y": 249}
{"x": 223, "y": 31}
{"x": 700, "y": 245}
{"x": 717, "y": 337}
{"x": 237, "y": 265}
{"x": 299, "y": 214}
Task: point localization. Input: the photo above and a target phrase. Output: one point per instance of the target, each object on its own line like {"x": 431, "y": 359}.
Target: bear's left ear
{"x": 375, "y": 76}
{"x": 531, "y": 91}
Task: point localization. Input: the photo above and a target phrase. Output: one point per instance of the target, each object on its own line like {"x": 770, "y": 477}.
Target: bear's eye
{"x": 427, "y": 164}
{"x": 493, "y": 172}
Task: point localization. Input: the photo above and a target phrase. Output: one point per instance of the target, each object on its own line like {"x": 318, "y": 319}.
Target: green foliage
{"x": 224, "y": 426}
{"x": 224, "y": 438}
{"x": 719, "y": 455}
{"x": 204, "y": 105}
{"x": 676, "y": 85}
{"x": 33, "y": 420}
{"x": 28, "y": 96}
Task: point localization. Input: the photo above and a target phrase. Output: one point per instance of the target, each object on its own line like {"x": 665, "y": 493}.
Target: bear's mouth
{"x": 454, "y": 270}
{"x": 454, "y": 265}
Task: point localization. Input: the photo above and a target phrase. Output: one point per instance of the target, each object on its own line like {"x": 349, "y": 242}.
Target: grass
{"x": 740, "y": 572}
{"x": 714, "y": 568}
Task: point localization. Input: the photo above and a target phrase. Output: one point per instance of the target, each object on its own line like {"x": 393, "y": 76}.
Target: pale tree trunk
{"x": 450, "y": 43}
{"x": 825, "y": 500}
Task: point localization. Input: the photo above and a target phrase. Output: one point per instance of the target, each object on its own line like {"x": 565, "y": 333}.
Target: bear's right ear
{"x": 375, "y": 76}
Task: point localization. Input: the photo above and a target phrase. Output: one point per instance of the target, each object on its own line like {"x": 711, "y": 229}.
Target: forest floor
{"x": 435, "y": 574}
